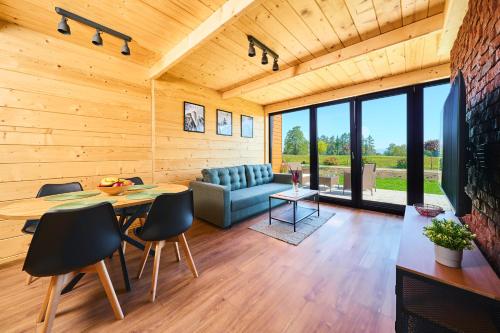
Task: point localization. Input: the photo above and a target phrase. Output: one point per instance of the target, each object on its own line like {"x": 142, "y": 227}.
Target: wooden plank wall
{"x": 67, "y": 113}
{"x": 180, "y": 155}
{"x": 277, "y": 157}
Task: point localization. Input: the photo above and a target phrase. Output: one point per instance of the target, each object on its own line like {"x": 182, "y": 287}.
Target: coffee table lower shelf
{"x": 294, "y": 215}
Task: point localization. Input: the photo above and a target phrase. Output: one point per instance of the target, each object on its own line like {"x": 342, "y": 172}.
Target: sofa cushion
{"x": 232, "y": 176}
{"x": 259, "y": 174}
{"x": 251, "y": 196}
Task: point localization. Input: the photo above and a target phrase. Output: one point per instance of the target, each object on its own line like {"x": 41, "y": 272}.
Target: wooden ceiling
{"x": 300, "y": 31}
{"x": 154, "y": 25}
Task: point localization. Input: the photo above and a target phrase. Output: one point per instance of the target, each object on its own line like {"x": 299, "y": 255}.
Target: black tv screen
{"x": 455, "y": 138}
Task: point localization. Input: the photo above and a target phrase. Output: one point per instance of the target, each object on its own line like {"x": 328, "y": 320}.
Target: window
{"x": 290, "y": 144}
{"x": 434, "y": 97}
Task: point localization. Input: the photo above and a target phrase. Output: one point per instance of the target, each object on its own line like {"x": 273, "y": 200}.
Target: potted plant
{"x": 450, "y": 239}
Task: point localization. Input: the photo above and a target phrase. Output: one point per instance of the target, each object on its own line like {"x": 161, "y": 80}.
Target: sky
{"x": 384, "y": 118}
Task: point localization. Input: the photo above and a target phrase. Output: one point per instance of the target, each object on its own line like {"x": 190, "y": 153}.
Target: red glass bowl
{"x": 428, "y": 210}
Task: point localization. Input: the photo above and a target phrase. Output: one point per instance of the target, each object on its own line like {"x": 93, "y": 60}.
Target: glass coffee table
{"x": 297, "y": 213}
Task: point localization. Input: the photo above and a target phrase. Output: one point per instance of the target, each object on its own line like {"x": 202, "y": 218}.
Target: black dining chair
{"x": 170, "y": 216}
{"x": 69, "y": 242}
{"x": 46, "y": 190}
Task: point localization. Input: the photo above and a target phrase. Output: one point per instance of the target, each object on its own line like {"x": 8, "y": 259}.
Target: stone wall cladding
{"x": 476, "y": 53}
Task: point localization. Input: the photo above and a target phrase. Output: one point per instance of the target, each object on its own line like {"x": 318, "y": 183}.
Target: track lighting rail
{"x": 262, "y": 46}
{"x": 92, "y": 24}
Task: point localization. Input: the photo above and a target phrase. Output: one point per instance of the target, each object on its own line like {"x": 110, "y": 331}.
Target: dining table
{"x": 138, "y": 200}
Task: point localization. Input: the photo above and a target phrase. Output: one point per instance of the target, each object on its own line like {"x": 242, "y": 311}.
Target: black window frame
{"x": 415, "y": 142}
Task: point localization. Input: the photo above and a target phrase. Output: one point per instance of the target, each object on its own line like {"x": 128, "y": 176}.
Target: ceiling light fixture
{"x": 264, "y": 61}
{"x": 265, "y": 51}
{"x": 63, "y": 28}
{"x": 125, "y": 49}
{"x": 97, "y": 39}
{"x": 251, "y": 50}
{"x": 276, "y": 67}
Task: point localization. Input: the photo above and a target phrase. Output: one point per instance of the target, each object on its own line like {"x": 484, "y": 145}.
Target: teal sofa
{"x": 224, "y": 196}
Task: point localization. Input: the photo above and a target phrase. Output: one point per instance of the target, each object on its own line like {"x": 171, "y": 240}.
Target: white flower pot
{"x": 447, "y": 257}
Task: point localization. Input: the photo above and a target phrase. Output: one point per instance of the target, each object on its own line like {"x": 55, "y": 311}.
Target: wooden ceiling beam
{"x": 454, "y": 13}
{"x": 225, "y": 15}
{"x": 386, "y": 83}
{"x": 400, "y": 35}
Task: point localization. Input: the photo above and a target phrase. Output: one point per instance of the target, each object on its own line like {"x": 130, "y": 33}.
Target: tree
{"x": 295, "y": 142}
{"x": 368, "y": 146}
{"x": 395, "y": 150}
{"x": 344, "y": 144}
{"x": 322, "y": 147}
{"x": 431, "y": 149}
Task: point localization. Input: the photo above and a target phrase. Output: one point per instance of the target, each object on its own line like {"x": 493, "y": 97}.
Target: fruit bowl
{"x": 428, "y": 210}
{"x": 114, "y": 186}
{"x": 117, "y": 190}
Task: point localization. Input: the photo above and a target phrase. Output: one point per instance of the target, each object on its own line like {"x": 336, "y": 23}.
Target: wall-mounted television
{"x": 455, "y": 140}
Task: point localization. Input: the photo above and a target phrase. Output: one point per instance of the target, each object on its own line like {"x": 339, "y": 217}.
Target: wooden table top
{"x": 294, "y": 196}
{"x": 33, "y": 209}
{"x": 416, "y": 255}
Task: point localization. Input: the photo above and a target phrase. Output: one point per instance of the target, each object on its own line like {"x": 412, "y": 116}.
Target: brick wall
{"x": 477, "y": 53}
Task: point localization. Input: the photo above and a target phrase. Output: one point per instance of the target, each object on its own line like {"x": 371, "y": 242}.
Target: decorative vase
{"x": 447, "y": 257}
{"x": 296, "y": 187}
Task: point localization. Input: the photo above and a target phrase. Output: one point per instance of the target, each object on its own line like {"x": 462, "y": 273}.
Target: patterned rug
{"x": 284, "y": 231}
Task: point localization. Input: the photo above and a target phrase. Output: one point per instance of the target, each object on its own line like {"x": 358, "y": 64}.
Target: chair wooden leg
{"x": 176, "y": 249}
{"x": 187, "y": 253}
{"x": 100, "y": 267}
{"x": 144, "y": 258}
{"x": 29, "y": 279}
{"x": 56, "y": 285}
{"x": 156, "y": 268}
{"x": 43, "y": 309}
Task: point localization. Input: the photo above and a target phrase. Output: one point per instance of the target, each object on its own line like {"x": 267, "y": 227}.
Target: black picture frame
{"x": 243, "y": 134}
{"x": 190, "y": 124}
{"x": 218, "y": 130}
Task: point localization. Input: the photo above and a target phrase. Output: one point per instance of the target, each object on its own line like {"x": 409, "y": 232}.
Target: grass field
{"x": 398, "y": 184}
{"x": 381, "y": 160}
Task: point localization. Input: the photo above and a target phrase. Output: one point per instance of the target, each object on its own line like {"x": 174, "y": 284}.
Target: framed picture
{"x": 194, "y": 117}
{"x": 224, "y": 122}
{"x": 246, "y": 126}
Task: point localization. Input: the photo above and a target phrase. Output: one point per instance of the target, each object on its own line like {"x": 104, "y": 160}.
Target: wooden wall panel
{"x": 180, "y": 155}
{"x": 67, "y": 113}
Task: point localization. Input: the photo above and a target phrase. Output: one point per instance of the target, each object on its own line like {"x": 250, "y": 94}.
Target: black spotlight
{"x": 251, "y": 50}
{"x": 276, "y": 67}
{"x": 264, "y": 58}
{"x": 97, "y": 40}
{"x": 125, "y": 49}
{"x": 63, "y": 26}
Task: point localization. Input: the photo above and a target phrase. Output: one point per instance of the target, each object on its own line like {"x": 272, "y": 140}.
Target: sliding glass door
{"x": 290, "y": 144}
{"x": 383, "y": 147}
{"x": 334, "y": 150}
{"x": 378, "y": 151}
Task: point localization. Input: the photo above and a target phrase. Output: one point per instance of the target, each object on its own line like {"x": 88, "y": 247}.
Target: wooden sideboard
{"x": 431, "y": 297}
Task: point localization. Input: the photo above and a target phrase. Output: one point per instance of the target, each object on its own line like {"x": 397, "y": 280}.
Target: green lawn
{"x": 398, "y": 184}
{"x": 382, "y": 161}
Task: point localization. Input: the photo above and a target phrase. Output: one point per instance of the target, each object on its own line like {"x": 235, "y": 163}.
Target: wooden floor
{"x": 340, "y": 279}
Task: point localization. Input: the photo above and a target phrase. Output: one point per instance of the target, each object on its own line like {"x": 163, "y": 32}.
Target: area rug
{"x": 284, "y": 231}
